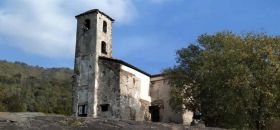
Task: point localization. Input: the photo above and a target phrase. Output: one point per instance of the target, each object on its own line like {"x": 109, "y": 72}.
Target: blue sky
{"x": 146, "y": 33}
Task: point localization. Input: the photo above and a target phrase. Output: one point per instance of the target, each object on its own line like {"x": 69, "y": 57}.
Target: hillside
{"x": 34, "y": 89}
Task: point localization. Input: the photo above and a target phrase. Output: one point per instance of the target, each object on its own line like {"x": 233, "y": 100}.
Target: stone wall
{"x": 108, "y": 92}
{"x": 84, "y": 68}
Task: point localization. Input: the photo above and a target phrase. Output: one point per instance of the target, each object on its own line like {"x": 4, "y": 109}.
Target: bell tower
{"x": 94, "y": 34}
{"x": 93, "y": 39}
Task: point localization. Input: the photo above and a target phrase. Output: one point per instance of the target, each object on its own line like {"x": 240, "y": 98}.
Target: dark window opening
{"x": 104, "y": 107}
{"x": 104, "y": 26}
{"x": 134, "y": 81}
{"x": 103, "y": 47}
{"x": 86, "y": 25}
{"x": 154, "y": 110}
{"x": 82, "y": 110}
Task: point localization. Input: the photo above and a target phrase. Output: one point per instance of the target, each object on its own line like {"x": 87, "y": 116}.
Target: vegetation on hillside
{"x": 34, "y": 89}
{"x": 234, "y": 80}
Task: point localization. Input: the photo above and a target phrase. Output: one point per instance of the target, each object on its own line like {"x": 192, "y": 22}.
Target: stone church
{"x": 111, "y": 88}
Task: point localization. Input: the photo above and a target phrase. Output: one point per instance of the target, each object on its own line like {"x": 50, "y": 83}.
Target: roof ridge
{"x": 95, "y": 10}
{"x": 125, "y": 63}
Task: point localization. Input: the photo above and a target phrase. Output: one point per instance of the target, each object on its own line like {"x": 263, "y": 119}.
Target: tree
{"x": 234, "y": 80}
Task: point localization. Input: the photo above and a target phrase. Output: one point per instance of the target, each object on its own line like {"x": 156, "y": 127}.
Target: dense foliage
{"x": 34, "y": 89}
{"x": 234, "y": 80}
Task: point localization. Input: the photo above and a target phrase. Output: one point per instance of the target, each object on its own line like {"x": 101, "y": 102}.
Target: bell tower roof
{"x": 93, "y": 11}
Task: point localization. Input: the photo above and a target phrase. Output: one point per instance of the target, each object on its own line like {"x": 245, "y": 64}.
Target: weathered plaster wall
{"x": 134, "y": 101}
{"x": 108, "y": 91}
{"x": 160, "y": 94}
{"x": 120, "y": 87}
{"x": 104, "y": 36}
{"x": 145, "y": 82}
{"x": 85, "y": 63}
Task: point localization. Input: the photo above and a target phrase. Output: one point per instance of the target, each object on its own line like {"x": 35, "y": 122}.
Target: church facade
{"x": 111, "y": 88}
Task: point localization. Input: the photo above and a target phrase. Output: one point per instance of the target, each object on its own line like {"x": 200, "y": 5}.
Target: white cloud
{"x": 47, "y": 27}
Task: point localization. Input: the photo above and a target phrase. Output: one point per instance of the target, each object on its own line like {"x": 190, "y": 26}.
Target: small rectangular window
{"x": 104, "y": 26}
{"x": 86, "y": 25}
{"x": 82, "y": 110}
{"x": 104, "y": 107}
{"x": 103, "y": 47}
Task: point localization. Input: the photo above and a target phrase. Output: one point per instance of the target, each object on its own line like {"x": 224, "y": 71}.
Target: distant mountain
{"x": 35, "y": 89}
